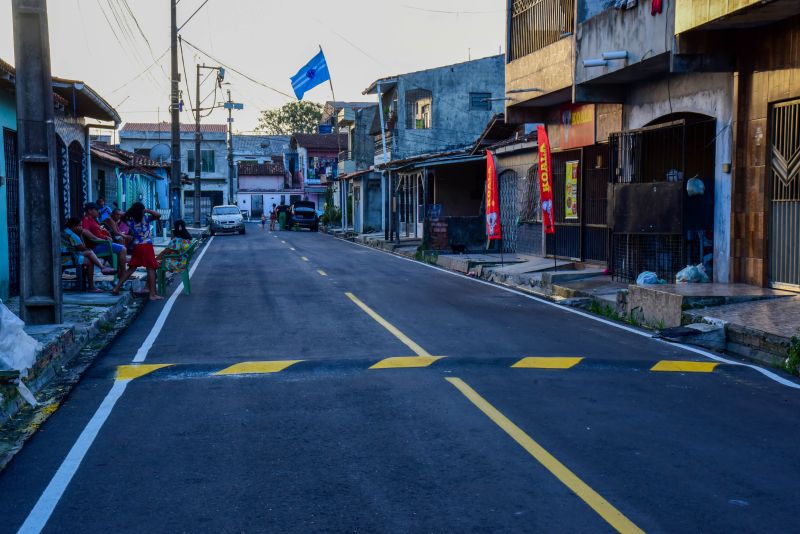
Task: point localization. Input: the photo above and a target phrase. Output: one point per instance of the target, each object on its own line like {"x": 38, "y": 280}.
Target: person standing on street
{"x": 139, "y": 219}
{"x": 273, "y": 216}
{"x": 263, "y": 220}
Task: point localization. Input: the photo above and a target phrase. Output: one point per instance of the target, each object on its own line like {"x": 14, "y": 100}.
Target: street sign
{"x": 233, "y": 105}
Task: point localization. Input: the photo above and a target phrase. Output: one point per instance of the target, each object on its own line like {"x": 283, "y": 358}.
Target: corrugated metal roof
{"x": 246, "y": 168}
{"x": 260, "y": 144}
{"x": 166, "y": 127}
{"x": 320, "y": 141}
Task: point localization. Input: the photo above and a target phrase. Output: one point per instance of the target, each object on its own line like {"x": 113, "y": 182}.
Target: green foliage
{"x": 331, "y": 214}
{"x": 291, "y": 118}
{"x": 792, "y": 363}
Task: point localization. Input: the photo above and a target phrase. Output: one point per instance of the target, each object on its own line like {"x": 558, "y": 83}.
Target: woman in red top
{"x": 139, "y": 219}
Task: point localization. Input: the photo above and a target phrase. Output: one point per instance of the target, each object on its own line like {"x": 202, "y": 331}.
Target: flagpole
{"x": 336, "y": 132}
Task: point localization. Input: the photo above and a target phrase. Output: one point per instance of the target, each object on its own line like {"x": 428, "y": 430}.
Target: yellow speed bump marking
{"x": 321, "y": 272}
{"x": 538, "y": 362}
{"x": 419, "y": 351}
{"x": 129, "y": 372}
{"x": 400, "y": 362}
{"x": 676, "y": 366}
{"x": 257, "y": 368}
{"x": 606, "y": 510}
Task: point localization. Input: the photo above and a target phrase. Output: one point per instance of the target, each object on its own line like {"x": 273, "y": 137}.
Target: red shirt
{"x": 88, "y": 223}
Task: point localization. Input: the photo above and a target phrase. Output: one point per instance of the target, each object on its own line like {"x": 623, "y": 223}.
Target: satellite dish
{"x": 160, "y": 152}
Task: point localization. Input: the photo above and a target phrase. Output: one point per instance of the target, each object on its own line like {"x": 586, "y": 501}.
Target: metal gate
{"x": 785, "y": 197}
{"x": 509, "y": 208}
{"x": 12, "y": 205}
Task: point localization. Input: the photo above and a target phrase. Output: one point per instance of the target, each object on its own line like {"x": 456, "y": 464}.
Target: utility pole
{"x": 175, "y": 178}
{"x": 230, "y": 105}
{"x": 198, "y": 164}
{"x": 198, "y": 138}
{"x": 40, "y": 261}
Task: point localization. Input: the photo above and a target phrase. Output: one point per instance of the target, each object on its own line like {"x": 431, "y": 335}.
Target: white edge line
{"x": 710, "y": 355}
{"x": 41, "y": 512}
{"x": 43, "y": 509}
{"x": 141, "y": 354}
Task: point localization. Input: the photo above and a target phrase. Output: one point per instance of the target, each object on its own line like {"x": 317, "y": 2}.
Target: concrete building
{"x": 76, "y": 108}
{"x": 756, "y": 45}
{"x": 263, "y": 184}
{"x": 622, "y": 105}
{"x": 312, "y": 163}
{"x": 359, "y": 186}
{"x": 140, "y": 138}
{"x": 430, "y": 111}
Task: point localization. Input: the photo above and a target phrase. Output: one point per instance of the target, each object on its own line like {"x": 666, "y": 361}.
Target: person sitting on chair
{"x": 72, "y": 243}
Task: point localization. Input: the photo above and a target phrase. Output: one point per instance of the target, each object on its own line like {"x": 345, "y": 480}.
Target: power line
{"x": 141, "y": 32}
{"x": 192, "y": 15}
{"x": 240, "y": 73}
{"x": 153, "y": 64}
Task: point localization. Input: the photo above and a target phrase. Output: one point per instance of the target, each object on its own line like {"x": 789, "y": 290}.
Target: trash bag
{"x": 695, "y": 186}
{"x": 17, "y": 349}
{"x": 647, "y": 278}
{"x": 692, "y": 274}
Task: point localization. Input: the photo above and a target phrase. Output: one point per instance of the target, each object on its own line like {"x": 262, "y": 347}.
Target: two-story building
{"x": 312, "y": 163}
{"x": 623, "y": 106}
{"x": 757, "y": 45}
{"x": 142, "y": 138}
{"x": 427, "y": 112}
{"x": 359, "y": 187}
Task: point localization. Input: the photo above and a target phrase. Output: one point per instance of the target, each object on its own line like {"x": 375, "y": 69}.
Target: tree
{"x": 293, "y": 117}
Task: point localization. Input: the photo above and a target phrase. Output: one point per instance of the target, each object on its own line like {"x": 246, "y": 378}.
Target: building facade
{"x": 142, "y": 138}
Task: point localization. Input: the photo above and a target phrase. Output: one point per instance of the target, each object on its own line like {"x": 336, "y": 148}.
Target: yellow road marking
{"x": 321, "y": 272}
{"x": 537, "y": 362}
{"x": 419, "y": 351}
{"x": 292, "y": 248}
{"x": 255, "y": 368}
{"x": 399, "y": 362}
{"x": 606, "y": 510}
{"x": 304, "y": 258}
{"x": 282, "y": 241}
{"x": 129, "y": 372}
{"x": 684, "y": 366}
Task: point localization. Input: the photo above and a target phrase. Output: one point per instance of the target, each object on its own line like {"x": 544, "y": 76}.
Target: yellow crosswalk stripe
{"x": 256, "y": 368}
{"x": 676, "y": 366}
{"x": 399, "y": 362}
{"x": 130, "y": 372}
{"x": 538, "y": 362}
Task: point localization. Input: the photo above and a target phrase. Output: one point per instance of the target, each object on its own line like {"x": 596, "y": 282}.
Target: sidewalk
{"x": 746, "y": 321}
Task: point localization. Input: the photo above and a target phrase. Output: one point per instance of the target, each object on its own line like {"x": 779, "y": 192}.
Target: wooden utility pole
{"x": 40, "y": 260}
{"x": 198, "y": 164}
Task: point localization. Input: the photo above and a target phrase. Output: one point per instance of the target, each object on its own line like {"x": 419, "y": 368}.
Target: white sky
{"x": 268, "y": 40}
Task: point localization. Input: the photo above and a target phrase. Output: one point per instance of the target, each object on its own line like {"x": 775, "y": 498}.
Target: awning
{"x": 316, "y": 189}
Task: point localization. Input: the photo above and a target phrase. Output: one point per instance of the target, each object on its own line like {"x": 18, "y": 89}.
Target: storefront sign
{"x": 493, "y": 227}
{"x": 571, "y": 191}
{"x": 545, "y": 181}
{"x": 576, "y": 123}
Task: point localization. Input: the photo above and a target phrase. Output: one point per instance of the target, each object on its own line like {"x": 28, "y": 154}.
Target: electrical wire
{"x": 240, "y": 73}
{"x": 144, "y": 36}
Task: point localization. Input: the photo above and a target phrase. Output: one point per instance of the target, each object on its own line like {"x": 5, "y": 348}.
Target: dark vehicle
{"x": 304, "y": 215}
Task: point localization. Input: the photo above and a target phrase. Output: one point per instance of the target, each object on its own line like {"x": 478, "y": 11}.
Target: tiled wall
{"x": 769, "y": 72}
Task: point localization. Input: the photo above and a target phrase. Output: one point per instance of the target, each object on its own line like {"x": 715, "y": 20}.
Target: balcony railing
{"x": 379, "y": 143}
{"x": 538, "y": 23}
{"x": 345, "y": 155}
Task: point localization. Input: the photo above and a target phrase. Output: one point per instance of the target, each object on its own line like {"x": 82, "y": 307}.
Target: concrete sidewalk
{"x": 746, "y": 321}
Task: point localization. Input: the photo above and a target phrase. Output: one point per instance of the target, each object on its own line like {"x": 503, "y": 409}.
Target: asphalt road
{"x": 449, "y": 437}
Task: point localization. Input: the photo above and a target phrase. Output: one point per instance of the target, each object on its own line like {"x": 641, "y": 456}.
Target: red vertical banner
{"x": 493, "y": 227}
{"x": 545, "y": 181}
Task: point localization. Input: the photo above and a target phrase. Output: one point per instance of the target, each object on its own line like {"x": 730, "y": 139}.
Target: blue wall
{"x": 8, "y": 119}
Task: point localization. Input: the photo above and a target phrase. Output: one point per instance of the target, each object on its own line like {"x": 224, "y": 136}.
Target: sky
{"x": 98, "y": 42}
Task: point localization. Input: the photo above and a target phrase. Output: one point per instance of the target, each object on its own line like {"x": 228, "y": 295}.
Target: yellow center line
{"x": 304, "y": 258}
{"x": 419, "y": 351}
{"x": 321, "y": 272}
{"x": 292, "y": 248}
{"x": 606, "y": 510}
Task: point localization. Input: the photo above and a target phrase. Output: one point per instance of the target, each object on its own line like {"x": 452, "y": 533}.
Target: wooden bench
{"x": 161, "y": 274}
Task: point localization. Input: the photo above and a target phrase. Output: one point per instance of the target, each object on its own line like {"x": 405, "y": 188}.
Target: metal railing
{"x": 538, "y": 23}
{"x": 345, "y": 155}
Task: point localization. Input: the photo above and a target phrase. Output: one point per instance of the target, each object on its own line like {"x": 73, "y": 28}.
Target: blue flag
{"x": 311, "y": 75}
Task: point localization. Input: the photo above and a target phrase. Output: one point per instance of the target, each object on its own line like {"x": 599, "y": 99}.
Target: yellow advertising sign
{"x": 571, "y": 191}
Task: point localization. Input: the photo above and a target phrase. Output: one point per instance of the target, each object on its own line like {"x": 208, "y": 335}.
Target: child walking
{"x": 139, "y": 219}
{"x": 263, "y": 220}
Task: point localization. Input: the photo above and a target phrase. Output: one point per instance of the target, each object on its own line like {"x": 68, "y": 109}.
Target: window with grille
{"x": 480, "y": 101}
{"x": 419, "y": 104}
{"x": 207, "y": 158}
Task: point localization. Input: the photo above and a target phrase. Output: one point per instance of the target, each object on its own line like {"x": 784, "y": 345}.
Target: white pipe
{"x": 595, "y": 62}
{"x": 616, "y": 54}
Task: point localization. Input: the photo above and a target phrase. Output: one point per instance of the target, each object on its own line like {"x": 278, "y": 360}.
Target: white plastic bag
{"x": 17, "y": 349}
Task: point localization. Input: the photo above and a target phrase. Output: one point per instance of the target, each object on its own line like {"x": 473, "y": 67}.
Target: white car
{"x": 226, "y": 219}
